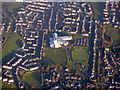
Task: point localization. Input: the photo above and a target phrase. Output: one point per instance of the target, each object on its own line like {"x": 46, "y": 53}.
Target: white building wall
{"x": 57, "y": 45}
{"x": 56, "y": 41}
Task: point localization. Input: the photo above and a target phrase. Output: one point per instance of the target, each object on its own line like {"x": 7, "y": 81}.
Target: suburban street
{"x": 61, "y": 45}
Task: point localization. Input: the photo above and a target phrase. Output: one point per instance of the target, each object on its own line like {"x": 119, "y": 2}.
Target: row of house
{"x": 93, "y": 73}
{"x": 38, "y": 7}
{"x": 6, "y": 26}
{"x": 110, "y": 14}
{"x": 9, "y": 81}
{"x": 63, "y": 75}
{"x": 29, "y": 52}
{"x": 82, "y": 42}
{"x": 71, "y": 17}
{"x": 110, "y": 67}
{"x": 8, "y": 77}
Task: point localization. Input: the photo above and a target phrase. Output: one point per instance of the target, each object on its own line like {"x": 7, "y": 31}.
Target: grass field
{"x": 98, "y": 10}
{"x": 12, "y": 7}
{"x": 55, "y": 56}
{"x": 77, "y": 36}
{"x": 10, "y": 47}
{"x": 114, "y": 34}
{"x": 32, "y": 79}
{"x": 80, "y": 55}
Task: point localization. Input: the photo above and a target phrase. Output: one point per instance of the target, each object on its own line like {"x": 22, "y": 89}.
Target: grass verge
{"x": 11, "y": 46}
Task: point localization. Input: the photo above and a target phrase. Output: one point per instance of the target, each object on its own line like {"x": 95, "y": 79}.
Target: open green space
{"x": 7, "y": 86}
{"x": 11, "y": 46}
{"x": 113, "y": 33}
{"x": 32, "y": 79}
{"x": 55, "y": 56}
{"x": 12, "y": 7}
{"x": 77, "y": 36}
{"x": 98, "y": 10}
{"x": 80, "y": 55}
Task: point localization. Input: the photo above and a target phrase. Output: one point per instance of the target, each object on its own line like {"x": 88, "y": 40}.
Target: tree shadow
{"x": 27, "y": 84}
{"x": 8, "y": 57}
{"x": 107, "y": 38}
{"x": 48, "y": 61}
{"x": 19, "y": 42}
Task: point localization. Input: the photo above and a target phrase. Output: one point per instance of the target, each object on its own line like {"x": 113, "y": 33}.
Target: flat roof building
{"x": 7, "y": 67}
{"x": 57, "y": 42}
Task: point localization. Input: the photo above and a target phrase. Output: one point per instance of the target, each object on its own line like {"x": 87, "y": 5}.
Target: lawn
{"x": 32, "y": 79}
{"x": 55, "y": 56}
{"x": 114, "y": 34}
{"x": 12, "y": 7}
{"x": 11, "y": 46}
{"x": 80, "y": 55}
{"x": 77, "y": 36}
{"x": 98, "y": 10}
